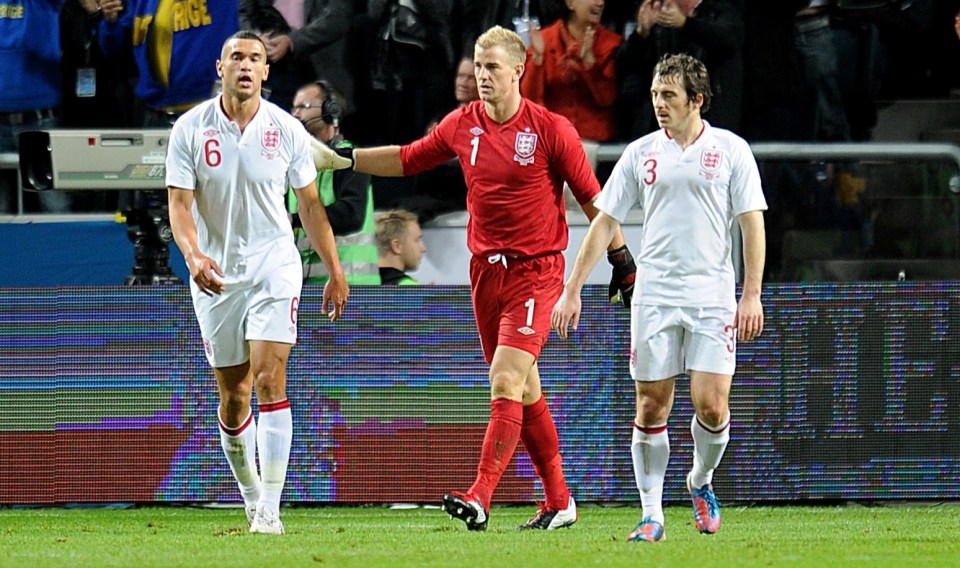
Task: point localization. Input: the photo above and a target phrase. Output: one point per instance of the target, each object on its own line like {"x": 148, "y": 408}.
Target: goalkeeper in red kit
{"x": 515, "y": 157}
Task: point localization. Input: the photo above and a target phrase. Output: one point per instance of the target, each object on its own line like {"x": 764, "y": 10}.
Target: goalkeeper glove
{"x": 327, "y": 158}
{"x": 624, "y": 275}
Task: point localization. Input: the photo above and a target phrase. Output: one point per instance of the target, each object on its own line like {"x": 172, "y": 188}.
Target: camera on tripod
{"x": 148, "y": 228}
{"x": 110, "y": 160}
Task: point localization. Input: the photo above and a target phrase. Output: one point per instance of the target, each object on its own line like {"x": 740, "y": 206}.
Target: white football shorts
{"x": 668, "y": 341}
{"x": 265, "y": 310}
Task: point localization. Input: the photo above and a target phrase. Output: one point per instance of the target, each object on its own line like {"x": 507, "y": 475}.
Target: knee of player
{"x": 234, "y": 407}
{"x": 531, "y": 392}
{"x": 506, "y": 385}
{"x": 713, "y": 414}
{"x": 236, "y": 396}
{"x": 651, "y": 411}
{"x": 268, "y": 380}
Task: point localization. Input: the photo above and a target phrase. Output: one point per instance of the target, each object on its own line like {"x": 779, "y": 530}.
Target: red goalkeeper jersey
{"x": 514, "y": 173}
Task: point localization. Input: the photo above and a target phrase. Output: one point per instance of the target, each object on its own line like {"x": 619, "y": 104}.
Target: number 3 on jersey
{"x": 651, "y": 171}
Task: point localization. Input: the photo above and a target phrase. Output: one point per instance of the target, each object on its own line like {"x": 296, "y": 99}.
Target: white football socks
{"x": 650, "y": 452}
{"x": 274, "y": 436}
{"x": 708, "y": 448}
{"x": 240, "y": 447}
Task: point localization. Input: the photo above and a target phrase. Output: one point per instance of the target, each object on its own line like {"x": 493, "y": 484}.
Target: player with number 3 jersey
{"x": 691, "y": 182}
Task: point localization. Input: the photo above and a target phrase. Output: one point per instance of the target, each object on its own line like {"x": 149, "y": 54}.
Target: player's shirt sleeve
{"x": 746, "y": 192}
{"x": 570, "y": 160}
{"x": 622, "y": 191}
{"x": 302, "y": 169}
{"x": 432, "y": 150}
{"x": 179, "y": 163}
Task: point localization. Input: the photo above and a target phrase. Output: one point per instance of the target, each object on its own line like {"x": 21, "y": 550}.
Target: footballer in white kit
{"x": 229, "y": 163}
{"x": 239, "y": 181}
{"x": 689, "y": 198}
{"x": 691, "y": 181}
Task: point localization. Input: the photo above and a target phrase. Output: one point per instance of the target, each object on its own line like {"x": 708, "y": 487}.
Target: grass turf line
{"x": 834, "y": 537}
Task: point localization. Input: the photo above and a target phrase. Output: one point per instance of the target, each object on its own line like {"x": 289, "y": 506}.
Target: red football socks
{"x": 499, "y": 443}
{"x": 539, "y": 435}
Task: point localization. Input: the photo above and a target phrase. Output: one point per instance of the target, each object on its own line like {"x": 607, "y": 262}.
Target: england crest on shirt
{"x": 710, "y": 161}
{"x": 525, "y": 146}
{"x": 270, "y": 140}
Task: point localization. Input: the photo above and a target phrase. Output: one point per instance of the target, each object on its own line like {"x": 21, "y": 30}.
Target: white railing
{"x": 828, "y": 151}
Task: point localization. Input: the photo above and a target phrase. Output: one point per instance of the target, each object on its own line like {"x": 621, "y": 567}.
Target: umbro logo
{"x": 476, "y": 131}
{"x": 526, "y": 330}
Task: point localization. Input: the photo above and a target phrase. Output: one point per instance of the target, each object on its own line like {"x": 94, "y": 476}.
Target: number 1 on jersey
{"x": 476, "y": 146}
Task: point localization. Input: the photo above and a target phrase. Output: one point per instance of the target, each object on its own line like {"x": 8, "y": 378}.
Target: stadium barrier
{"x": 851, "y": 393}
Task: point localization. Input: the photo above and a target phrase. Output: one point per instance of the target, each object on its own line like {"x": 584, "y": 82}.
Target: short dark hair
{"x": 692, "y": 74}
{"x": 246, "y": 34}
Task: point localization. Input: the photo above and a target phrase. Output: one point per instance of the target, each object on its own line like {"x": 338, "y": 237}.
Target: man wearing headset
{"x": 347, "y": 195}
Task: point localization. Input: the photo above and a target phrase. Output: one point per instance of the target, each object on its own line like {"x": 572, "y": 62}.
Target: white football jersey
{"x": 239, "y": 182}
{"x": 690, "y": 199}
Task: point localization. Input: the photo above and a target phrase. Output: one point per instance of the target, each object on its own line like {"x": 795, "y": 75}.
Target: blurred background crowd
{"x": 784, "y": 70}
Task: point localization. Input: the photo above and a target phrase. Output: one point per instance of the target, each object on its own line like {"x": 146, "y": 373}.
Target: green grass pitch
{"x": 832, "y": 537}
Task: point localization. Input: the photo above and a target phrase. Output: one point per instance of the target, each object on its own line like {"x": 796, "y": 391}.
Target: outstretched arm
{"x": 383, "y": 161}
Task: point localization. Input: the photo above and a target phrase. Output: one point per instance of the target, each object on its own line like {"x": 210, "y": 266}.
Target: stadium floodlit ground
{"x": 833, "y": 537}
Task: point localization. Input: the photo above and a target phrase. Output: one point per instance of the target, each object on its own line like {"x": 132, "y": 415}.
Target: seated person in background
{"x": 571, "y": 70}
{"x": 465, "y": 84}
{"x": 400, "y": 246}
{"x": 347, "y": 195}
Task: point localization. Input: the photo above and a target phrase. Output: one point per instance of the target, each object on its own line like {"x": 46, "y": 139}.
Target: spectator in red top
{"x": 516, "y": 156}
{"x": 571, "y": 70}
